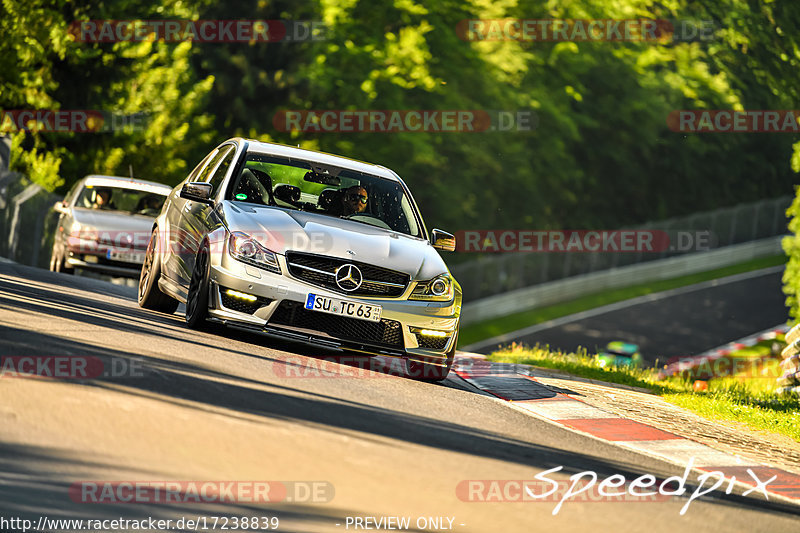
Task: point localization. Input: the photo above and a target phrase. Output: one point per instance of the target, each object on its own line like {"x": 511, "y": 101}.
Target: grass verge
{"x": 469, "y": 334}
{"x": 745, "y": 397}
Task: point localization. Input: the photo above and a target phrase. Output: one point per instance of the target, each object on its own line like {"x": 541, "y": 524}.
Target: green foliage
{"x": 601, "y": 154}
{"x": 44, "y": 67}
{"x": 791, "y": 246}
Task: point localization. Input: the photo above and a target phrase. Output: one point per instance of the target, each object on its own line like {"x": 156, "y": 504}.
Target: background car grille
{"x": 387, "y": 332}
{"x": 432, "y": 343}
{"x": 324, "y": 269}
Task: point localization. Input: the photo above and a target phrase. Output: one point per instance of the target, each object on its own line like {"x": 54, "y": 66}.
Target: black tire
{"x": 197, "y": 299}
{"x": 432, "y": 373}
{"x": 149, "y": 295}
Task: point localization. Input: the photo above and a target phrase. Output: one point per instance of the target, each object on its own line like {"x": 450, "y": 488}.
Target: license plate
{"x": 347, "y": 308}
{"x": 125, "y": 256}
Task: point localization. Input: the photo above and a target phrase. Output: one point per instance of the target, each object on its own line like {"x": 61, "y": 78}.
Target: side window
{"x": 216, "y": 178}
{"x": 199, "y": 170}
{"x": 73, "y": 192}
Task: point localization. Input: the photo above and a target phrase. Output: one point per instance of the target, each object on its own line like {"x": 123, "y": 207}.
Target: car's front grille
{"x": 388, "y": 332}
{"x": 321, "y": 271}
{"x": 432, "y": 343}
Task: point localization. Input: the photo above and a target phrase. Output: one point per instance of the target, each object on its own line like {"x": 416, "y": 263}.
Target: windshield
{"x": 121, "y": 199}
{"x": 341, "y": 193}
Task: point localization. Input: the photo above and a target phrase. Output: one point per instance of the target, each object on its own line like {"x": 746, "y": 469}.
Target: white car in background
{"x": 104, "y": 224}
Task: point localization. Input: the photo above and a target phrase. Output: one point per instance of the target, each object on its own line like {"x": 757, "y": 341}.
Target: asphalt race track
{"x": 688, "y": 322}
{"x": 170, "y": 404}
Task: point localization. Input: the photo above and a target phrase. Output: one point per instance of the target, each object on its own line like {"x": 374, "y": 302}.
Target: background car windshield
{"x": 121, "y": 199}
{"x": 346, "y": 194}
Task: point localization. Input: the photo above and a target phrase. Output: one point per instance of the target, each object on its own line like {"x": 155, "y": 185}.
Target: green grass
{"x": 469, "y": 334}
{"x": 733, "y": 398}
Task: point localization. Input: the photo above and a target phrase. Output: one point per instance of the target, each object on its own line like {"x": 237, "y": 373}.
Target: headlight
{"x": 439, "y": 289}
{"x": 247, "y": 250}
{"x": 83, "y": 232}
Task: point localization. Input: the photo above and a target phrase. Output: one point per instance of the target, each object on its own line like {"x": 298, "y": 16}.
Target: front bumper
{"x": 279, "y": 311}
{"x": 99, "y": 263}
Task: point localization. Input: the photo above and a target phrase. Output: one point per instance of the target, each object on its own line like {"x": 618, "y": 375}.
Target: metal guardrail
{"x": 27, "y": 220}
{"x": 492, "y": 274}
{"x": 567, "y": 289}
{"x": 789, "y": 382}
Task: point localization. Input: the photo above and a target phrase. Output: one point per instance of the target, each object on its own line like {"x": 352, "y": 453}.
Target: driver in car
{"x": 354, "y": 200}
{"x": 102, "y": 199}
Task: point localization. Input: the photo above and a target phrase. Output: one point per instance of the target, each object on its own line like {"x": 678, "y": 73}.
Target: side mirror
{"x": 198, "y": 191}
{"x": 60, "y": 207}
{"x": 441, "y": 240}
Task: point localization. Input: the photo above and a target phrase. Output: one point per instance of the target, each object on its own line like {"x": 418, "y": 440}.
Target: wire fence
{"x": 27, "y": 219}
{"x": 492, "y": 274}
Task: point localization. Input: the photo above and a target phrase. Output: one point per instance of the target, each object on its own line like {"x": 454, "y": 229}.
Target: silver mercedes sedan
{"x": 104, "y": 225}
{"x": 307, "y": 246}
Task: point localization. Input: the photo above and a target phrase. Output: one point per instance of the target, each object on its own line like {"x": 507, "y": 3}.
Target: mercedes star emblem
{"x": 348, "y": 277}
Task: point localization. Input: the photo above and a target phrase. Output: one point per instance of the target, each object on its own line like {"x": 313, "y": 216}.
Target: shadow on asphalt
{"x": 33, "y": 485}
{"x": 195, "y": 387}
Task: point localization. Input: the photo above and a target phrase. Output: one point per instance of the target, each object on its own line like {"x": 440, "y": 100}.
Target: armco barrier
{"x": 789, "y": 382}
{"x": 568, "y": 289}
{"x": 488, "y": 274}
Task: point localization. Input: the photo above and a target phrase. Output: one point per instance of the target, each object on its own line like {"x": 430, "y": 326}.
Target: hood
{"x": 116, "y": 227}
{"x": 283, "y": 230}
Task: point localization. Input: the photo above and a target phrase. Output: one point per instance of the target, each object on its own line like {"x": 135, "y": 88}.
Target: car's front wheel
{"x": 429, "y": 372}
{"x": 149, "y": 295}
{"x": 197, "y": 299}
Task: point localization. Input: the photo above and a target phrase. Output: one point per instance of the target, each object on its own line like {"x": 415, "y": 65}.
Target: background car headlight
{"x": 247, "y": 250}
{"x": 439, "y": 289}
